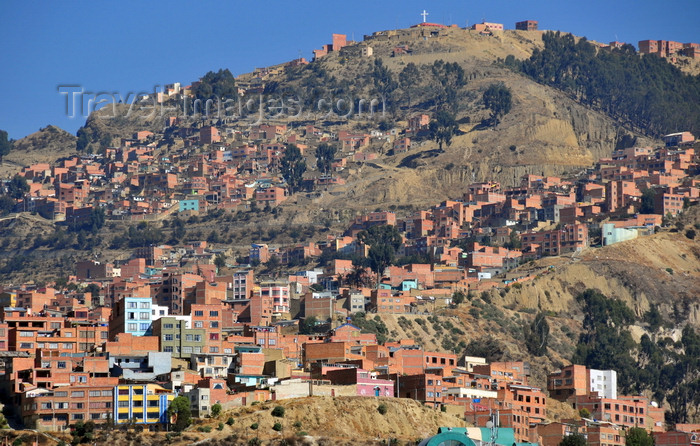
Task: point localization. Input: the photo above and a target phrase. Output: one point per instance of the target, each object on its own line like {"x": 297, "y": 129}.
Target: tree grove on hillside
{"x": 647, "y": 92}
{"x": 213, "y": 85}
{"x": 448, "y": 78}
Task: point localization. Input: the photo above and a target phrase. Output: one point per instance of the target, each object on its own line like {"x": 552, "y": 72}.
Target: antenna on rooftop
{"x": 425, "y": 15}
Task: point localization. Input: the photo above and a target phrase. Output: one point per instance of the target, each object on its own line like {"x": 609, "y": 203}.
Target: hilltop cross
{"x": 424, "y": 14}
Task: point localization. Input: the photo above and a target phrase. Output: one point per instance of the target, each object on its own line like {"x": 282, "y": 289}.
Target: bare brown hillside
{"x": 44, "y": 146}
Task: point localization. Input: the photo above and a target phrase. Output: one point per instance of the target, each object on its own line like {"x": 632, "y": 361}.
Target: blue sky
{"x": 129, "y": 46}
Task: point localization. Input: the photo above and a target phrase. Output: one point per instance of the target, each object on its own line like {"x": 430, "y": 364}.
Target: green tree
{"x": 293, "y": 166}
{"x": 537, "y": 335}
{"x": 499, "y": 100}
{"x": 216, "y": 85}
{"x": 638, "y": 436}
{"x": 442, "y": 128}
{"x": 409, "y": 78}
{"x": 384, "y": 82}
{"x": 216, "y": 410}
{"x": 573, "y": 440}
{"x": 7, "y": 204}
{"x": 383, "y": 241}
{"x": 17, "y": 187}
{"x": 325, "y": 154}
{"x": 220, "y": 262}
{"x": 179, "y": 409}
{"x": 458, "y": 297}
{"x": 647, "y": 206}
{"x": 447, "y": 78}
{"x": 83, "y": 141}
{"x": 307, "y": 325}
{"x": 5, "y": 145}
{"x": 605, "y": 343}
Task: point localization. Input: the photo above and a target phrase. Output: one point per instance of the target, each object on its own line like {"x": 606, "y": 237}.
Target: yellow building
{"x": 141, "y": 403}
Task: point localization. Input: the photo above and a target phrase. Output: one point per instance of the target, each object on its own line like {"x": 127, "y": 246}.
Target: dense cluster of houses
{"x": 122, "y": 339}
{"x": 167, "y": 322}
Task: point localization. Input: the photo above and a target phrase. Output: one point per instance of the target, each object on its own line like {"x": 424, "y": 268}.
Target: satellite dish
{"x": 489, "y": 424}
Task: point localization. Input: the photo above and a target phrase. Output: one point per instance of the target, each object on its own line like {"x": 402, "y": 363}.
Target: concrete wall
{"x": 300, "y": 389}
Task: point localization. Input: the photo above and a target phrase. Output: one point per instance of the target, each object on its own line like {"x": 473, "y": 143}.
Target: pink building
{"x": 367, "y": 384}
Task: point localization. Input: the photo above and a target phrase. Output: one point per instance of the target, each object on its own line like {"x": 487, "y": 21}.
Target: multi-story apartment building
{"x": 141, "y": 404}
{"x": 131, "y": 315}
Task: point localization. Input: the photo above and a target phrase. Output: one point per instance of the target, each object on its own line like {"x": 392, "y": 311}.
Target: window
{"x": 61, "y": 364}
{"x": 227, "y": 350}
{"x": 214, "y": 349}
{"x": 167, "y": 337}
{"x": 186, "y": 350}
{"x": 144, "y": 305}
{"x": 68, "y": 346}
{"x": 144, "y": 326}
{"x": 132, "y": 327}
{"x": 77, "y": 416}
{"x": 131, "y": 315}
{"x": 214, "y": 324}
{"x": 144, "y": 315}
{"x": 197, "y": 338}
{"x": 123, "y": 403}
{"x": 199, "y": 313}
{"x": 94, "y": 393}
{"x": 131, "y": 305}
{"x": 60, "y": 394}
{"x": 77, "y": 394}
{"x": 189, "y": 337}
{"x": 213, "y": 314}
{"x": 167, "y": 326}
{"x": 26, "y": 334}
{"x": 213, "y": 336}
{"x": 168, "y": 349}
{"x": 198, "y": 324}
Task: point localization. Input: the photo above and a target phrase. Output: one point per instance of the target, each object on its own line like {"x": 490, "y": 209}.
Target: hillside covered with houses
{"x": 147, "y": 311}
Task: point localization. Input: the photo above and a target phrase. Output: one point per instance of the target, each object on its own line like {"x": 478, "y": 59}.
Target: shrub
{"x": 669, "y": 270}
{"x": 297, "y": 424}
{"x": 254, "y": 426}
{"x": 302, "y": 433}
{"x": 230, "y": 421}
{"x": 690, "y": 233}
{"x": 215, "y": 410}
{"x": 278, "y": 412}
{"x": 277, "y": 427}
{"x": 204, "y": 429}
{"x": 220, "y": 427}
{"x": 382, "y": 408}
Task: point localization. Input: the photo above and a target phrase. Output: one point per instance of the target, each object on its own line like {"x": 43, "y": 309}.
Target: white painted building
{"x": 604, "y": 382}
